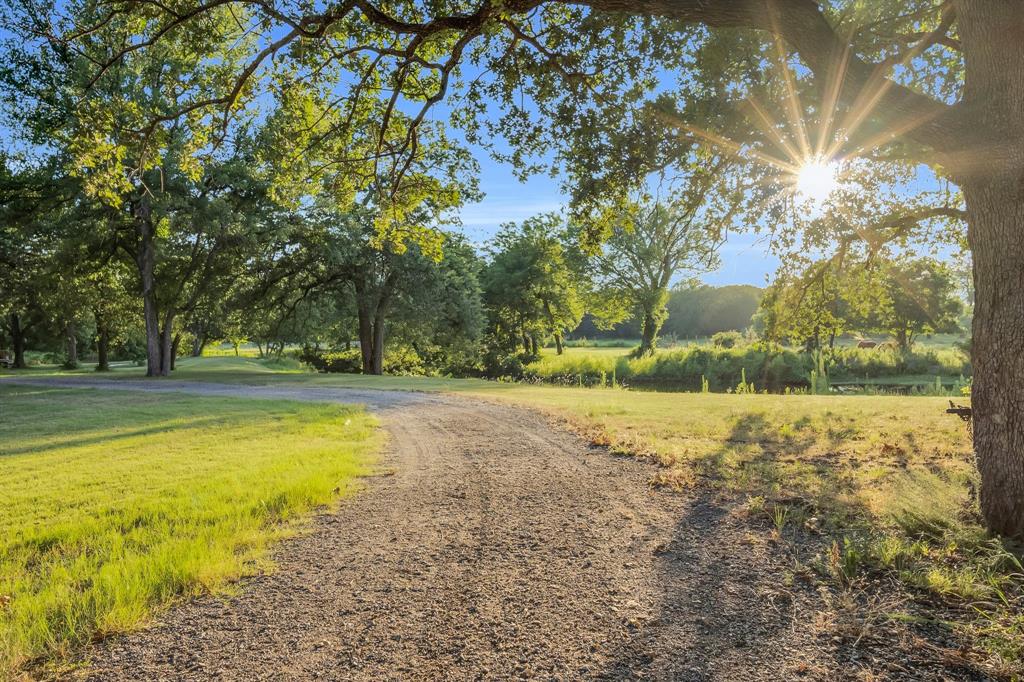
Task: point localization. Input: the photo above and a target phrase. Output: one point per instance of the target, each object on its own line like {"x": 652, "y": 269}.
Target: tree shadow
{"x": 738, "y": 600}
{"x": 107, "y": 437}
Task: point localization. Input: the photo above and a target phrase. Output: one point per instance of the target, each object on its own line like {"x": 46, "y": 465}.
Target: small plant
{"x": 845, "y": 562}
{"x": 705, "y": 387}
{"x": 780, "y": 515}
{"x": 755, "y": 504}
{"x": 819, "y": 376}
{"x": 744, "y": 386}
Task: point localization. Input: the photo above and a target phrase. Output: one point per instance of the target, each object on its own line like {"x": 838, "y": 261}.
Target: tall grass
{"x": 112, "y": 505}
{"x": 696, "y": 368}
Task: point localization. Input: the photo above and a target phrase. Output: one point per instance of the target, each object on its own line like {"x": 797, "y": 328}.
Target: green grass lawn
{"x": 114, "y": 504}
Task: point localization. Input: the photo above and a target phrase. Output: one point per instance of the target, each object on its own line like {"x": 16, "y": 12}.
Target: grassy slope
{"x": 115, "y": 503}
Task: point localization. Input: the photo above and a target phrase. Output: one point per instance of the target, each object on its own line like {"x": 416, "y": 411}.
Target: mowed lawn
{"x": 114, "y": 504}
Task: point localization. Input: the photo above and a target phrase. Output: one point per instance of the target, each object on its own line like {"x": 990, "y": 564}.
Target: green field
{"x": 115, "y": 504}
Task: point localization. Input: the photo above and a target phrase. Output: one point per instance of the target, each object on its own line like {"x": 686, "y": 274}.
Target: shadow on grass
{"x": 62, "y": 443}
{"x": 739, "y": 600}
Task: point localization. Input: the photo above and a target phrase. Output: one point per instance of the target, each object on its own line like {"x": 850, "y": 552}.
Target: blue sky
{"x": 745, "y": 257}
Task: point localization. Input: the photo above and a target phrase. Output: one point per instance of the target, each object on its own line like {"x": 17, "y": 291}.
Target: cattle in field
{"x": 864, "y": 343}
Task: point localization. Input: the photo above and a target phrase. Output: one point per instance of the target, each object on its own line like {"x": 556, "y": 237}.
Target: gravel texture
{"x": 492, "y": 545}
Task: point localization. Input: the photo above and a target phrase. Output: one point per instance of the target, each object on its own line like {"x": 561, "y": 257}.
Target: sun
{"x": 816, "y": 179}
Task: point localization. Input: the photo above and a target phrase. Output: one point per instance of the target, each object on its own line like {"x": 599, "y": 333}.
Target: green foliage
{"x": 349, "y": 361}
{"x": 701, "y": 311}
{"x": 902, "y": 297}
{"x": 729, "y": 339}
{"x": 530, "y": 287}
{"x": 501, "y": 364}
{"x": 649, "y": 243}
{"x": 713, "y": 368}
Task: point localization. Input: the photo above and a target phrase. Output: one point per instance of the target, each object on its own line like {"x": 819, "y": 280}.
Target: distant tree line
{"x": 694, "y": 311}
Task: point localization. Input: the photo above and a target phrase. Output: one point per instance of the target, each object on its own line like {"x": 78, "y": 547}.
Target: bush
{"x": 885, "y": 361}
{"x": 500, "y": 364}
{"x": 344, "y": 361}
{"x": 729, "y": 339}
{"x": 402, "y": 360}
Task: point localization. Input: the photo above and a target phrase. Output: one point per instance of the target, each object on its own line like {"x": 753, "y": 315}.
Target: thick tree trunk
{"x": 534, "y": 346}
{"x": 71, "y": 342}
{"x": 991, "y": 168}
{"x": 377, "y": 353}
{"x": 102, "y": 348}
{"x": 145, "y": 259}
{"x": 18, "y": 339}
{"x": 559, "y": 349}
{"x": 996, "y": 234}
{"x": 648, "y": 335}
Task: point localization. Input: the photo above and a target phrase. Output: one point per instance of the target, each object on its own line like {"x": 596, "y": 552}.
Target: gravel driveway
{"x": 494, "y": 546}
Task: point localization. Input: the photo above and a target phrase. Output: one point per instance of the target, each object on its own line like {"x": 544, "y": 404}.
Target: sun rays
{"x": 809, "y": 148}
{"x": 816, "y": 180}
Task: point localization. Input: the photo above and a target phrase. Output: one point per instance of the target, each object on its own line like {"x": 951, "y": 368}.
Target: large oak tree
{"x": 939, "y": 81}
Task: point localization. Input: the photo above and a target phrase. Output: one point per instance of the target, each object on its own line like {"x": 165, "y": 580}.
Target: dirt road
{"x": 494, "y": 546}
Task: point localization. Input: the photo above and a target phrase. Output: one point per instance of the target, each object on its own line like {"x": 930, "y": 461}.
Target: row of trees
{"x": 140, "y": 97}
{"x": 318, "y": 276}
{"x": 902, "y": 298}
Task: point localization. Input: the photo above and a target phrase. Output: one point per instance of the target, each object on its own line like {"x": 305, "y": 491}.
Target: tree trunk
{"x": 198, "y": 339}
{"x": 992, "y": 179}
{"x": 166, "y": 343}
{"x": 365, "y": 338}
{"x": 901, "y": 339}
{"x": 378, "y": 344}
{"x": 71, "y": 341}
{"x": 174, "y": 350}
{"x": 649, "y": 335}
{"x": 534, "y": 346}
{"x": 997, "y": 354}
{"x": 102, "y": 347}
{"x": 18, "y": 339}
{"x": 198, "y": 344}
{"x": 145, "y": 259}
{"x": 559, "y": 349}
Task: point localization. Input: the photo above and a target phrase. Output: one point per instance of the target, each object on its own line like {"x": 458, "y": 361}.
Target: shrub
{"x": 404, "y": 360}
{"x": 398, "y": 359}
{"x": 501, "y": 364}
{"x": 727, "y": 339}
{"x": 344, "y": 361}
{"x": 880, "y": 362}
